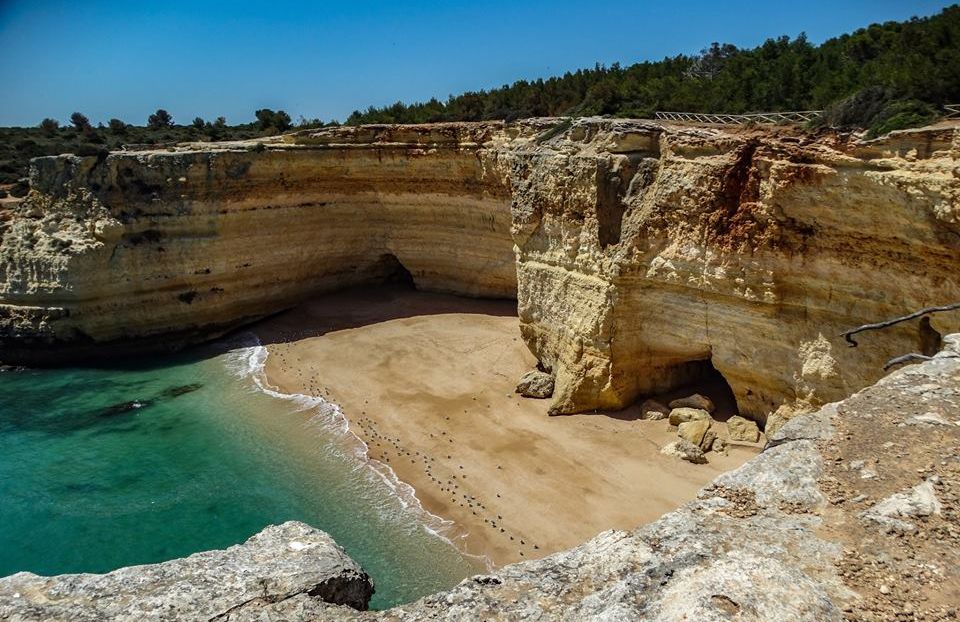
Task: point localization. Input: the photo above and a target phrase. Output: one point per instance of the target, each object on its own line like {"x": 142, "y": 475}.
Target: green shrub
{"x": 859, "y": 111}
{"x": 901, "y": 115}
{"x": 80, "y": 121}
{"x": 49, "y": 126}
{"x": 159, "y": 120}
{"x": 879, "y": 110}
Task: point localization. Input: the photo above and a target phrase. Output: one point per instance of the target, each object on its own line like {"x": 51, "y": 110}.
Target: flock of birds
{"x": 447, "y": 475}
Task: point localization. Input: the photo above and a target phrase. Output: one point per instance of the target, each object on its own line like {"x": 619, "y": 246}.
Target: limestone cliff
{"x": 282, "y": 567}
{"x": 639, "y": 253}
{"x": 162, "y": 248}
{"x": 645, "y": 251}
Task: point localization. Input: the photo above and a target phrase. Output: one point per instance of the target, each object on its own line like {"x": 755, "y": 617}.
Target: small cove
{"x": 102, "y": 468}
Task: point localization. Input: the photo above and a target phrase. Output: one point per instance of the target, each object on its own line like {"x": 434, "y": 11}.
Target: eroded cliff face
{"x": 640, "y": 254}
{"x": 645, "y": 252}
{"x": 168, "y": 247}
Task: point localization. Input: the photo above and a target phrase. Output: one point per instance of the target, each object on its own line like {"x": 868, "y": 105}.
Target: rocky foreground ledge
{"x": 850, "y": 513}
{"x": 282, "y": 563}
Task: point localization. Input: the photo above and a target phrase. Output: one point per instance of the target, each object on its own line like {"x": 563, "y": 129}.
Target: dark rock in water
{"x": 181, "y": 390}
{"x": 135, "y": 405}
{"x": 11, "y": 368}
{"x": 124, "y": 407}
{"x": 283, "y": 569}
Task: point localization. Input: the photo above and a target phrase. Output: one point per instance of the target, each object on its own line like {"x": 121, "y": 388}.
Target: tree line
{"x": 904, "y": 69}
{"x": 267, "y": 121}
{"x": 18, "y": 144}
{"x": 882, "y": 77}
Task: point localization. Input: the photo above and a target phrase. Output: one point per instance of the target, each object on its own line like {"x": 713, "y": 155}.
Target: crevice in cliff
{"x": 733, "y": 222}
{"x": 613, "y": 183}
{"x": 697, "y": 376}
{"x": 929, "y": 340}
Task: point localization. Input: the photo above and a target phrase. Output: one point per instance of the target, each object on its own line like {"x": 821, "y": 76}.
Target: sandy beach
{"x": 427, "y": 381}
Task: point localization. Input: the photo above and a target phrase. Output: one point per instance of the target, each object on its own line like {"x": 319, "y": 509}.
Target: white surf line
{"x": 250, "y": 362}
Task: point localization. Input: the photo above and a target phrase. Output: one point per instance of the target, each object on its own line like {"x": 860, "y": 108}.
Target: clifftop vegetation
{"x": 19, "y": 144}
{"x": 883, "y": 77}
{"x": 916, "y": 61}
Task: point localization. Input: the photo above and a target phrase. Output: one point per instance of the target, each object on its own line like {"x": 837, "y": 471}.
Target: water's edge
{"x": 248, "y": 358}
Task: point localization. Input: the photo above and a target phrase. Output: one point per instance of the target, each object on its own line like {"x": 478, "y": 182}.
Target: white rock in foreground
{"x": 282, "y": 562}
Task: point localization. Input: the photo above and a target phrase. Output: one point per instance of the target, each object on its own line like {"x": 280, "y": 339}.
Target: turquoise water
{"x": 102, "y": 468}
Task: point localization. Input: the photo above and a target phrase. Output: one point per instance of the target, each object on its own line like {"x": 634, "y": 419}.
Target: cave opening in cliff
{"x": 929, "y": 339}
{"x": 707, "y": 380}
{"x": 389, "y": 271}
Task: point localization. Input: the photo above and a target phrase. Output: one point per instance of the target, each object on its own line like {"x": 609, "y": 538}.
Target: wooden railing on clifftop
{"x": 800, "y": 116}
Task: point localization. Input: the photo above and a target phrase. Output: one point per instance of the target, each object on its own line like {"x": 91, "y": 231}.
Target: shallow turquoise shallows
{"x": 102, "y": 468}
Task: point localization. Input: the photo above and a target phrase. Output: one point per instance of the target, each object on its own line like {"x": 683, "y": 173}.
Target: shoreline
{"x": 326, "y": 413}
{"x": 425, "y": 382}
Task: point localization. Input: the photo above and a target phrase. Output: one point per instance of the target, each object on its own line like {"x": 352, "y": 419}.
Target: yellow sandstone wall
{"x": 635, "y": 250}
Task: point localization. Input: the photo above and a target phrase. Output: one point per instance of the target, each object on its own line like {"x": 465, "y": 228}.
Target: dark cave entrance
{"x": 389, "y": 271}
{"x": 929, "y": 340}
{"x": 705, "y": 379}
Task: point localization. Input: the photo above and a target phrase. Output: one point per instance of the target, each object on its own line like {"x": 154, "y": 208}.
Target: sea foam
{"x": 246, "y": 358}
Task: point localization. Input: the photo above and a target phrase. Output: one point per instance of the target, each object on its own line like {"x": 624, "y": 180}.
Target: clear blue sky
{"x": 324, "y": 59}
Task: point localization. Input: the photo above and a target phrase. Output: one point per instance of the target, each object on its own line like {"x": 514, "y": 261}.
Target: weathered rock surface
{"x": 719, "y": 445}
{"x": 696, "y": 432}
{"x": 536, "y": 384}
{"x": 253, "y": 580}
{"x": 160, "y": 248}
{"x": 647, "y": 253}
{"x": 685, "y": 450}
{"x": 741, "y": 429}
{"x": 640, "y": 253}
{"x": 683, "y": 415}
{"x": 921, "y": 500}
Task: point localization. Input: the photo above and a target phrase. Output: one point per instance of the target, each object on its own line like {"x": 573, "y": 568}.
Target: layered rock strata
{"x": 850, "y": 513}
{"x": 647, "y": 254}
{"x": 146, "y": 249}
{"x": 642, "y": 256}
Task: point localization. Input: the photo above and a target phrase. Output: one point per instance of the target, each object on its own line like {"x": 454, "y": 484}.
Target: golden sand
{"x": 427, "y": 381}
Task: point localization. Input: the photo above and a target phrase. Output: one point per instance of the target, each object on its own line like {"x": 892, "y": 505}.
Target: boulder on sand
{"x": 743, "y": 429}
{"x": 535, "y": 383}
{"x": 698, "y": 432}
{"x": 682, "y": 415}
{"x": 653, "y": 410}
{"x": 685, "y": 450}
{"x": 694, "y": 401}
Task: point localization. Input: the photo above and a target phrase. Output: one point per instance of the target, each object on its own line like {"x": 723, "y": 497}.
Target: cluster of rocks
{"x": 693, "y": 418}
